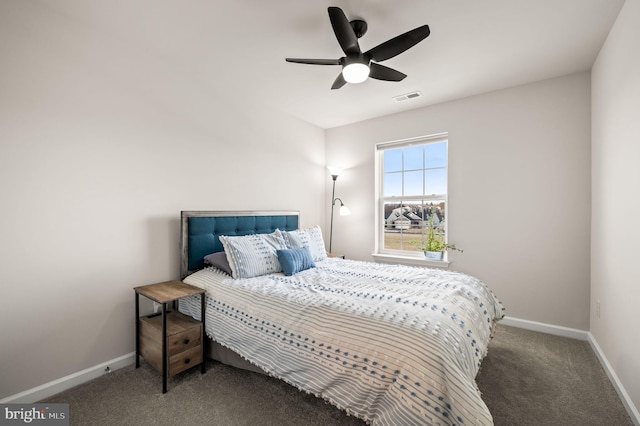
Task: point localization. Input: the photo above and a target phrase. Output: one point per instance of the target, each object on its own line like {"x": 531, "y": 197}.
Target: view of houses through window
{"x": 407, "y": 225}
{"x": 412, "y": 195}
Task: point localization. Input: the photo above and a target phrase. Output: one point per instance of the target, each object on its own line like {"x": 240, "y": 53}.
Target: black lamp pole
{"x": 333, "y": 203}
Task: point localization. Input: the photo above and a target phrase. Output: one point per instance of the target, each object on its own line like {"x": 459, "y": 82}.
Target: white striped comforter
{"x": 393, "y": 345}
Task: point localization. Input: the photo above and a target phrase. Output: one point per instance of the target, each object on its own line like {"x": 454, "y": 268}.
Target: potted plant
{"x": 432, "y": 243}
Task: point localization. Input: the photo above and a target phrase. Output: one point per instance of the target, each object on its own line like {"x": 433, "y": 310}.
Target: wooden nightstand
{"x": 183, "y": 344}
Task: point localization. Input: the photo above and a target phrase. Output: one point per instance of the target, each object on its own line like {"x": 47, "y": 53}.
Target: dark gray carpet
{"x": 528, "y": 378}
{"x": 531, "y": 378}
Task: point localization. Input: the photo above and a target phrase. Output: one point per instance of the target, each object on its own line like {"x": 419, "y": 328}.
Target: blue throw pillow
{"x": 295, "y": 260}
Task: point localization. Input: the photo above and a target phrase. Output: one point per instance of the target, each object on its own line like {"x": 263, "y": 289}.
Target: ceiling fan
{"x": 358, "y": 66}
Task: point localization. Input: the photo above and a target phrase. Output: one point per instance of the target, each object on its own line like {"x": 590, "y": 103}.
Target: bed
{"x": 390, "y": 344}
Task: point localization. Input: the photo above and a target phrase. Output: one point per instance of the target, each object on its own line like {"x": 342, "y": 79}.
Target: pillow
{"x": 295, "y": 260}
{"x": 253, "y": 255}
{"x": 310, "y": 237}
{"x": 219, "y": 260}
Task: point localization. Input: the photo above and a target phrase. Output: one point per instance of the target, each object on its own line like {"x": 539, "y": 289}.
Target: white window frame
{"x": 405, "y": 256}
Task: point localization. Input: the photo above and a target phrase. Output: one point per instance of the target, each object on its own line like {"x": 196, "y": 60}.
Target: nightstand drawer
{"x": 182, "y": 330}
{"x": 185, "y": 340}
{"x": 184, "y": 360}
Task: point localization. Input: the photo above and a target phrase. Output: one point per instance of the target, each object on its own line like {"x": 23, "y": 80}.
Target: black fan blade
{"x": 399, "y": 44}
{"x": 343, "y": 31}
{"x": 314, "y": 61}
{"x": 380, "y": 72}
{"x": 340, "y": 81}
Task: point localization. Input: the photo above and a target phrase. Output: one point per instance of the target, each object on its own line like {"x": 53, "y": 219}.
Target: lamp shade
{"x": 344, "y": 210}
{"x": 334, "y": 171}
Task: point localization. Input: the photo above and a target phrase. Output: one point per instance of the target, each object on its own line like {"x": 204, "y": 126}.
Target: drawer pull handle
{"x": 186, "y": 341}
{"x": 187, "y": 360}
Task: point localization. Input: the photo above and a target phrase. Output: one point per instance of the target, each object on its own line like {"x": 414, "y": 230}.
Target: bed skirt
{"x": 217, "y": 352}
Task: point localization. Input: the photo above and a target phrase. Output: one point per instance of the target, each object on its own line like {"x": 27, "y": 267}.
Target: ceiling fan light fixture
{"x": 358, "y": 66}
{"x": 355, "y": 72}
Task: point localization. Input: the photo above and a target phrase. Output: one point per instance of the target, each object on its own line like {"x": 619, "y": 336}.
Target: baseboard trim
{"x": 586, "y": 336}
{"x": 613, "y": 377}
{"x": 556, "y": 330}
{"x": 56, "y": 386}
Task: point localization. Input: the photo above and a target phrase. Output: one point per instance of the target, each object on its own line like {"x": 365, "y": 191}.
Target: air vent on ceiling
{"x": 407, "y": 96}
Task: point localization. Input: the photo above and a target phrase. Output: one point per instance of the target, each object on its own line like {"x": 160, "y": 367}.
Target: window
{"x": 412, "y": 194}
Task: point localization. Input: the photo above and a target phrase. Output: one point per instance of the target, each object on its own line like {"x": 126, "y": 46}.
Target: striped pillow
{"x": 253, "y": 255}
{"x": 310, "y": 237}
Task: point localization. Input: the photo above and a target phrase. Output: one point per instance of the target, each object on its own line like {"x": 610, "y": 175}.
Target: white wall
{"x": 519, "y": 191}
{"x": 101, "y": 145}
{"x": 615, "y": 228}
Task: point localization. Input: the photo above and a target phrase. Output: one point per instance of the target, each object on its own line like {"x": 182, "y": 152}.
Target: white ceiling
{"x": 237, "y": 47}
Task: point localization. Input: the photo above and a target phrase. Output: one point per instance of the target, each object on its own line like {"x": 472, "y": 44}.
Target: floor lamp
{"x": 344, "y": 210}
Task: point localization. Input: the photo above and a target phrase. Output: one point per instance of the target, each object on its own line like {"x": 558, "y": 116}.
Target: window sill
{"x": 411, "y": 261}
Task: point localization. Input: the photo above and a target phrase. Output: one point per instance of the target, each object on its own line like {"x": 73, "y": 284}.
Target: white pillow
{"x": 310, "y": 237}
{"x": 253, "y": 255}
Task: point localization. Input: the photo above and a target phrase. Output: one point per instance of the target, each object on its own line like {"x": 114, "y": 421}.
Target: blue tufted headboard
{"x": 200, "y": 231}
